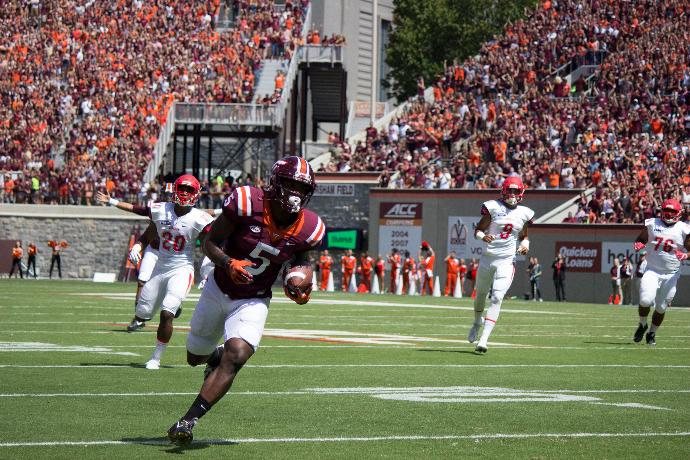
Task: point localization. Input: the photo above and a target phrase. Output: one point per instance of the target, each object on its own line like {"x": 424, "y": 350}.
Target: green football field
{"x": 345, "y": 376}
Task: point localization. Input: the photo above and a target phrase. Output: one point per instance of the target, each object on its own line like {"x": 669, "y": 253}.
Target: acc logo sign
{"x": 407, "y": 210}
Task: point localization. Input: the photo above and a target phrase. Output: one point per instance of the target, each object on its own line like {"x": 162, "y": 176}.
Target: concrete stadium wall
{"x": 433, "y": 223}
{"x": 97, "y": 236}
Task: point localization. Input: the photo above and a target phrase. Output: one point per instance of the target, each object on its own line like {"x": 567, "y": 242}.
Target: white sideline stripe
{"x": 319, "y": 366}
{"x": 352, "y": 439}
{"x": 323, "y": 392}
{"x": 624, "y": 346}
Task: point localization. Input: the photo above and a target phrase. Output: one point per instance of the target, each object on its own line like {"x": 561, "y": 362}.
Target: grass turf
{"x": 345, "y": 376}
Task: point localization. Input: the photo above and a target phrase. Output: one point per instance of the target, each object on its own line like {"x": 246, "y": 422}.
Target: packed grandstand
{"x": 91, "y": 84}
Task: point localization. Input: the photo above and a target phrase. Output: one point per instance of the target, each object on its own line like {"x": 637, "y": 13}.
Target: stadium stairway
{"x": 265, "y": 79}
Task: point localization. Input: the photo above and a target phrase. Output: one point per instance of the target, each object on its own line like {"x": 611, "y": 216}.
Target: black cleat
{"x": 135, "y": 325}
{"x": 178, "y": 313}
{"x": 181, "y": 432}
{"x": 480, "y": 349}
{"x": 639, "y": 333}
{"x": 650, "y": 338}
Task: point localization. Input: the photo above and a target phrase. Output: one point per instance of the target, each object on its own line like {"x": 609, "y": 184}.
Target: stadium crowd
{"x": 86, "y": 87}
{"x": 624, "y": 131}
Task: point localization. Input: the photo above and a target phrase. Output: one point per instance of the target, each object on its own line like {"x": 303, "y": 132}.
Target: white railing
{"x": 161, "y": 146}
{"x": 292, "y": 72}
{"x": 226, "y": 114}
{"x": 319, "y": 53}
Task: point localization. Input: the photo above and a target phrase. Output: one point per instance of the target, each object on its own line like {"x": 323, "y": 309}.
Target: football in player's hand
{"x": 298, "y": 278}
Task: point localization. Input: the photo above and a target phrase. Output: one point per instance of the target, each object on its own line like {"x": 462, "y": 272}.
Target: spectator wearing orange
{"x": 280, "y": 82}
{"x": 452, "y": 271}
{"x": 395, "y": 260}
{"x": 17, "y": 254}
{"x": 348, "y": 264}
{"x": 408, "y": 270}
{"x": 554, "y": 179}
{"x": 366, "y": 266}
{"x": 325, "y": 263}
{"x": 32, "y": 250}
{"x": 379, "y": 270}
{"x": 427, "y": 258}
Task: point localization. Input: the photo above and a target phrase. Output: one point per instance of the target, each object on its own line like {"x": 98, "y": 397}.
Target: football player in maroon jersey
{"x": 259, "y": 231}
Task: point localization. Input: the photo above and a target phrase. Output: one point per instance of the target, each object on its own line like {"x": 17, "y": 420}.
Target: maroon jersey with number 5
{"x": 256, "y": 238}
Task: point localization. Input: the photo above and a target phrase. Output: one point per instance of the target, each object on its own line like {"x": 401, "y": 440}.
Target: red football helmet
{"x": 291, "y": 183}
{"x": 671, "y": 211}
{"x": 186, "y": 190}
{"x": 513, "y": 190}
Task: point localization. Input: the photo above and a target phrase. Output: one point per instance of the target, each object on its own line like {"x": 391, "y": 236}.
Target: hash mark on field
{"x": 470, "y": 437}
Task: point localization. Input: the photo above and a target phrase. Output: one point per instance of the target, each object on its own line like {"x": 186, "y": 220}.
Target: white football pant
{"x": 657, "y": 289}
{"x": 216, "y": 315}
{"x": 164, "y": 291}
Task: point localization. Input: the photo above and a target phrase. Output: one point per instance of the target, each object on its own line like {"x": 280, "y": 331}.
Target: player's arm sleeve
{"x": 141, "y": 210}
{"x": 149, "y": 235}
{"x": 316, "y": 236}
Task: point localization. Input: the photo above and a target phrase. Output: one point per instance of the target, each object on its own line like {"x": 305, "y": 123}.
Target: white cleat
{"x": 153, "y": 364}
{"x": 474, "y": 331}
{"x": 481, "y": 348}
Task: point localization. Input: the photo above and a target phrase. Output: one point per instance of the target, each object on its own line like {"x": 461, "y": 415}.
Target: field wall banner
{"x": 461, "y": 237}
{"x": 618, "y": 250}
{"x": 580, "y": 256}
{"x": 400, "y": 227}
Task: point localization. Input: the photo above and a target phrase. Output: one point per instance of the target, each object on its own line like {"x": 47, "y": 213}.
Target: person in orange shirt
{"x": 427, "y": 257}
{"x": 348, "y": 264}
{"x": 366, "y": 265}
{"x": 325, "y": 263}
{"x": 452, "y": 269}
{"x": 408, "y": 270}
{"x": 395, "y": 261}
{"x": 554, "y": 179}
{"x": 462, "y": 273}
{"x": 17, "y": 254}
{"x": 33, "y": 250}
{"x": 379, "y": 269}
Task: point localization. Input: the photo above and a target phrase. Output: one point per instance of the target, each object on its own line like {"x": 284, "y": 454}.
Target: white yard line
{"x": 317, "y": 392}
{"x": 347, "y": 366}
{"x": 343, "y": 439}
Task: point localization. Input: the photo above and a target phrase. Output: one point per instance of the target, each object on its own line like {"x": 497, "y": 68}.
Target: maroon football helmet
{"x": 291, "y": 183}
{"x": 186, "y": 190}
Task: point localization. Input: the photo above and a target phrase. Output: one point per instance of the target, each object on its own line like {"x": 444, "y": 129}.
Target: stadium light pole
{"x": 374, "y": 56}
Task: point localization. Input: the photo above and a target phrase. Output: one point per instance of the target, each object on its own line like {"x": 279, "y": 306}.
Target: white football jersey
{"x": 662, "y": 244}
{"x": 506, "y": 225}
{"x": 177, "y": 234}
